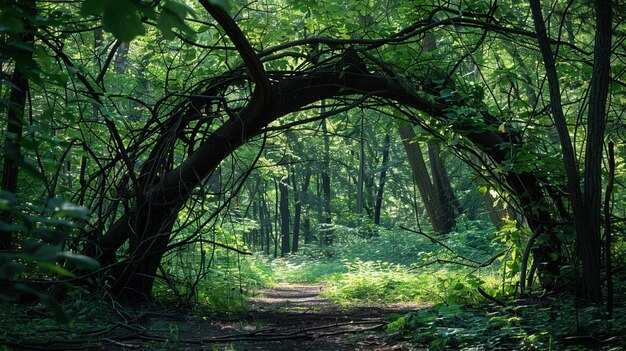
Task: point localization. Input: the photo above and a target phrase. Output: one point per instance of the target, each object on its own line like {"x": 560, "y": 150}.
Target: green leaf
{"x": 10, "y": 227}
{"x": 458, "y": 286}
{"x": 7, "y": 200}
{"x": 46, "y": 253}
{"x": 180, "y": 9}
{"x": 55, "y": 268}
{"x": 173, "y": 16}
{"x": 39, "y": 252}
{"x": 10, "y": 269}
{"x": 396, "y": 325}
{"x": 31, "y": 168}
{"x": 94, "y": 7}
{"x": 10, "y": 24}
{"x": 483, "y": 189}
{"x": 122, "y": 20}
{"x": 203, "y": 28}
{"x": 190, "y": 54}
{"x": 81, "y": 261}
{"x": 50, "y": 236}
{"x": 166, "y": 22}
{"x": 66, "y": 209}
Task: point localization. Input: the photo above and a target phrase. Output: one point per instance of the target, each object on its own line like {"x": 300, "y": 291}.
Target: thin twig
{"x": 443, "y": 245}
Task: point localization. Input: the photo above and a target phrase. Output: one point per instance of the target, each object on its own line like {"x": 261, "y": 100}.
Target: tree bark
{"x": 15, "y": 121}
{"x": 284, "y": 216}
{"x": 276, "y": 217}
{"x": 422, "y": 179}
{"x": 360, "y": 178}
{"x": 589, "y": 241}
{"x": 443, "y": 189}
{"x": 266, "y": 224}
{"x": 305, "y": 200}
{"x": 121, "y": 58}
{"x": 326, "y": 232}
{"x": 586, "y": 210}
{"x": 495, "y": 210}
{"x": 297, "y": 211}
{"x": 382, "y": 180}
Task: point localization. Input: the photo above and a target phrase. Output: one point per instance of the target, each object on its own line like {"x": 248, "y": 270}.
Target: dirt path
{"x": 288, "y": 317}
{"x": 293, "y": 317}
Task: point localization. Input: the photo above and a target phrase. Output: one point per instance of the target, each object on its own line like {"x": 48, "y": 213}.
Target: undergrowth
{"x": 550, "y": 324}
{"x": 35, "y": 324}
{"x": 397, "y": 266}
{"x": 394, "y": 266}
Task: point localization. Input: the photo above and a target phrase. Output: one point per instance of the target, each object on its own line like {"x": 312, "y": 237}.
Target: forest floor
{"x": 293, "y": 317}
{"x": 287, "y": 317}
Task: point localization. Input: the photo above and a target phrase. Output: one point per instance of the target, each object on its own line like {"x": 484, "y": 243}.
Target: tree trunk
{"x": 360, "y": 178}
{"x": 276, "y": 216}
{"x": 586, "y": 220}
{"x": 443, "y": 195}
{"x": 495, "y": 210}
{"x": 134, "y": 282}
{"x": 422, "y": 179}
{"x": 589, "y": 241}
{"x": 284, "y": 216}
{"x": 266, "y": 224}
{"x": 443, "y": 189}
{"x": 382, "y": 180}
{"x": 326, "y": 232}
{"x": 255, "y": 233}
{"x": 297, "y": 213}
{"x": 305, "y": 200}
{"x": 15, "y": 121}
{"x": 121, "y": 58}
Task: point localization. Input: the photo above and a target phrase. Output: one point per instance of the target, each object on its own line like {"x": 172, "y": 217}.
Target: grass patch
{"x": 297, "y": 270}
{"x": 395, "y": 266}
{"x": 383, "y": 282}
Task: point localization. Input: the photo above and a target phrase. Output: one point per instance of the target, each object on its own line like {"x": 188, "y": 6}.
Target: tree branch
{"x": 250, "y": 58}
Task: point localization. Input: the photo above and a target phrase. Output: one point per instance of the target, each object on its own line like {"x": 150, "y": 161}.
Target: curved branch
{"x": 250, "y": 58}
{"x": 210, "y": 242}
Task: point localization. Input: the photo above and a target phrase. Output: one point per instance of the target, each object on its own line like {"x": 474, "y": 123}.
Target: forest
{"x": 312, "y": 175}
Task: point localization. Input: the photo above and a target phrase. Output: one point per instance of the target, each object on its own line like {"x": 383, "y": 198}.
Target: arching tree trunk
{"x": 147, "y": 225}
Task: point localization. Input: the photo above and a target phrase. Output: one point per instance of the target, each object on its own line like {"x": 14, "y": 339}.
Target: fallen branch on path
{"x": 298, "y": 334}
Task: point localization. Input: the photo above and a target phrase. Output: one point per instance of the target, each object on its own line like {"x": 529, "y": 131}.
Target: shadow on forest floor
{"x": 295, "y": 317}
{"x": 292, "y": 317}
{"x": 286, "y": 317}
